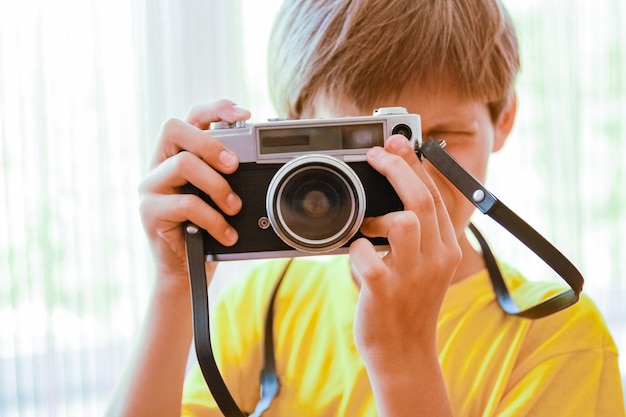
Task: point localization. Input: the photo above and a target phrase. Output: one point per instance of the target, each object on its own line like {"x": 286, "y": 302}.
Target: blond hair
{"x": 363, "y": 51}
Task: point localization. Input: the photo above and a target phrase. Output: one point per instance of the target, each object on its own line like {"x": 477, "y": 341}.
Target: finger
{"x": 177, "y": 136}
{"x": 165, "y": 211}
{"x": 414, "y": 186}
{"x": 201, "y": 115}
{"x": 185, "y": 167}
{"x": 366, "y": 265}
{"x": 402, "y": 230}
{"x": 415, "y": 195}
{"x": 394, "y": 161}
{"x": 400, "y": 147}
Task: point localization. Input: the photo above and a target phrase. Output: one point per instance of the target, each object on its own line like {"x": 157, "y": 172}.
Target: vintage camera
{"x": 305, "y": 184}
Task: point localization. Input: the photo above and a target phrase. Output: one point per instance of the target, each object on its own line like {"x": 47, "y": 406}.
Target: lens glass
{"x": 316, "y": 205}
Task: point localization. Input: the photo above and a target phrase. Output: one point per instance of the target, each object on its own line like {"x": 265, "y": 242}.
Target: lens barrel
{"x": 315, "y": 203}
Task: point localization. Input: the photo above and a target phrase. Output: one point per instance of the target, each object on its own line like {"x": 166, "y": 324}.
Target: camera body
{"x": 305, "y": 184}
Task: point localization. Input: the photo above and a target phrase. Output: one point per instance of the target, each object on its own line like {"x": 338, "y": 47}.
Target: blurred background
{"x": 85, "y": 86}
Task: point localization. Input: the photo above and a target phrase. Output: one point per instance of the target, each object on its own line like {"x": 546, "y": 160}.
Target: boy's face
{"x": 466, "y": 126}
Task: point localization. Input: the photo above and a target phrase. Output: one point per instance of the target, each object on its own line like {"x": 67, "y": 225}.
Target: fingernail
{"x": 228, "y": 159}
{"x": 231, "y": 235}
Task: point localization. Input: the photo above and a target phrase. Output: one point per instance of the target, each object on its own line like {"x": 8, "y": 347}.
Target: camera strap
{"x": 471, "y": 188}
{"x": 202, "y": 334}
{"x": 488, "y": 204}
{"x": 201, "y": 323}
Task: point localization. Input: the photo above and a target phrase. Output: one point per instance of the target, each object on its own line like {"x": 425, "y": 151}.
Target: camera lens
{"x": 403, "y": 130}
{"x": 315, "y": 203}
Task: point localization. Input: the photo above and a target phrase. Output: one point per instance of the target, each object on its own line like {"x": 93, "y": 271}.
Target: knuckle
{"x": 170, "y": 125}
{"x": 456, "y": 254}
{"x": 215, "y": 225}
{"x": 372, "y": 271}
{"x": 187, "y": 204}
{"x": 197, "y": 210}
{"x": 389, "y": 162}
{"x": 221, "y": 187}
{"x": 182, "y": 161}
{"x": 223, "y": 103}
{"x": 193, "y": 110}
{"x": 148, "y": 183}
{"x": 145, "y": 203}
{"x": 420, "y": 201}
{"x": 199, "y": 114}
{"x": 142, "y": 187}
{"x": 406, "y": 220}
{"x": 148, "y": 211}
{"x": 210, "y": 147}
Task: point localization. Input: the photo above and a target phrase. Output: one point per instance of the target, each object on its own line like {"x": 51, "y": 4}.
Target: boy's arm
{"x": 153, "y": 380}
{"x": 402, "y": 292}
{"x": 152, "y": 385}
{"x": 413, "y": 386}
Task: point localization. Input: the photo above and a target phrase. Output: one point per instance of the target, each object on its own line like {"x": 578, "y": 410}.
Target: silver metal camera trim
{"x": 243, "y": 138}
{"x": 343, "y": 172}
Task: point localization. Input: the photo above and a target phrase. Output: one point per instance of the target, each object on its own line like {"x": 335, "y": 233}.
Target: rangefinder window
{"x": 363, "y": 136}
{"x": 284, "y": 139}
{"x": 320, "y": 138}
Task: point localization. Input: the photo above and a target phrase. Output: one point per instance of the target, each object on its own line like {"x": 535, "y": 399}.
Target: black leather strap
{"x": 488, "y": 204}
{"x": 201, "y": 323}
{"x": 202, "y": 334}
{"x": 270, "y": 385}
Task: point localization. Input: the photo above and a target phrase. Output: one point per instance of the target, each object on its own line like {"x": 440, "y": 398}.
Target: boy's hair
{"x": 364, "y": 51}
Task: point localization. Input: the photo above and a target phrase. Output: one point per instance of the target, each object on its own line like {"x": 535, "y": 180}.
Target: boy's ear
{"x": 504, "y": 124}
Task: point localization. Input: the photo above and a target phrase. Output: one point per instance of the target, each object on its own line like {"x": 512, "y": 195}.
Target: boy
{"x": 415, "y": 331}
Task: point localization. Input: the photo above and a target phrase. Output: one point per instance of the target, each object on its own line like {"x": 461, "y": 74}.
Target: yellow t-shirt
{"x": 493, "y": 364}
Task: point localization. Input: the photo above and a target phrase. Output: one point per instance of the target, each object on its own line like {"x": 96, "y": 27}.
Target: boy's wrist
{"x": 409, "y": 384}
{"x": 401, "y": 359}
{"x": 171, "y": 284}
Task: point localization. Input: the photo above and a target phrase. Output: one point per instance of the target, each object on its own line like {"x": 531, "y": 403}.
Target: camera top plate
{"x": 346, "y": 138}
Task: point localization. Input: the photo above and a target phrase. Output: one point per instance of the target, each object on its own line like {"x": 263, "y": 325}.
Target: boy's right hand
{"x": 185, "y": 153}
